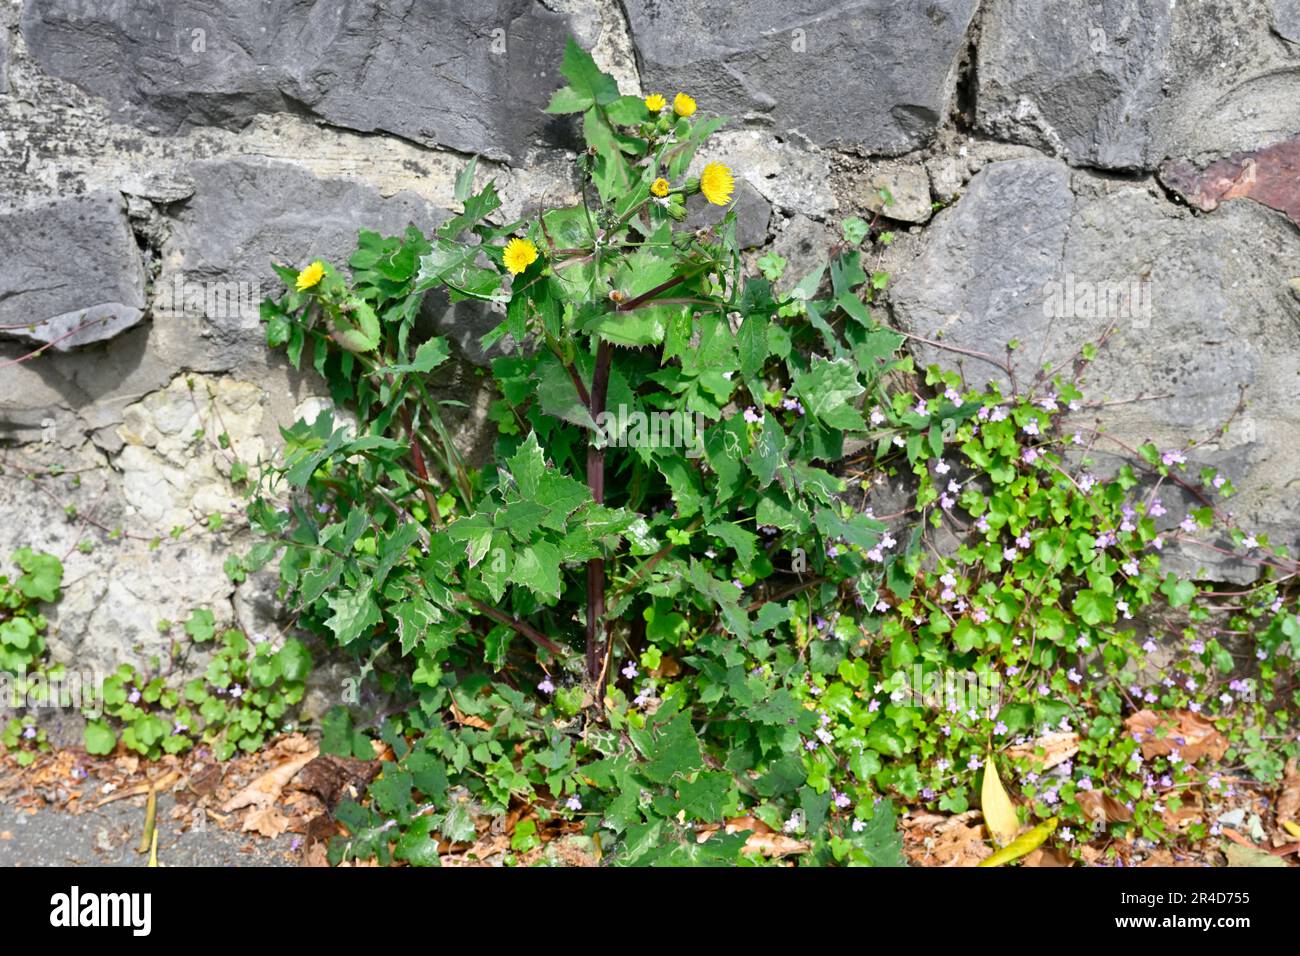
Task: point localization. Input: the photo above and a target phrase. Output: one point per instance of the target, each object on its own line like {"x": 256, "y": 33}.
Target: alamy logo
{"x": 235, "y": 302}
{"x": 1074, "y": 298}
{"x": 625, "y": 427}
{"x": 74, "y": 909}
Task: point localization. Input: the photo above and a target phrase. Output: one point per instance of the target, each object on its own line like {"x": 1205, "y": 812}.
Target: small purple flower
{"x": 134, "y": 696}
{"x": 236, "y": 691}
{"x": 573, "y": 803}
{"x": 546, "y": 686}
{"x": 29, "y": 732}
{"x": 630, "y": 670}
{"x": 752, "y": 416}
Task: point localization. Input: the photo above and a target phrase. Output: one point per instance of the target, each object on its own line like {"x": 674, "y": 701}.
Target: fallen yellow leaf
{"x": 999, "y": 812}
{"x": 1291, "y": 828}
{"x": 1026, "y": 844}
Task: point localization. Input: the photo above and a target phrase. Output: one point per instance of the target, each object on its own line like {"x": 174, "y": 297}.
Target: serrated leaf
{"x": 355, "y": 614}
{"x": 537, "y": 566}
{"x": 414, "y": 616}
{"x": 826, "y": 391}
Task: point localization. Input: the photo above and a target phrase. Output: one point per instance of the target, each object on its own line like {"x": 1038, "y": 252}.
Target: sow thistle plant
{"x": 652, "y": 642}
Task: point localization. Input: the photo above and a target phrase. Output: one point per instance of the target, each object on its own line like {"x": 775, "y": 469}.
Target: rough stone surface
{"x": 157, "y": 157}
{"x": 875, "y": 74}
{"x": 72, "y": 270}
{"x": 246, "y": 214}
{"x": 4, "y": 54}
{"x": 897, "y": 191}
{"x": 1122, "y": 85}
{"x": 1270, "y": 176}
{"x": 1200, "y": 308}
{"x": 1286, "y": 19}
{"x": 753, "y": 214}
{"x": 473, "y": 77}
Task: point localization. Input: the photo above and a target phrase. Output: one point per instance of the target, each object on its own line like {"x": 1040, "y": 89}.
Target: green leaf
{"x": 295, "y": 660}
{"x": 42, "y": 574}
{"x": 1094, "y": 607}
{"x": 670, "y": 749}
{"x": 1179, "y": 592}
{"x": 100, "y": 739}
{"x": 355, "y": 613}
{"x": 826, "y": 391}
{"x": 737, "y": 538}
{"x": 201, "y": 625}
{"x": 415, "y": 616}
{"x": 418, "y": 844}
{"x": 537, "y": 566}
{"x": 588, "y": 84}
{"x": 428, "y": 356}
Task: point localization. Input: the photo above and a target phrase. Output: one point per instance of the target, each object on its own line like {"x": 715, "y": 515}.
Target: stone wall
{"x": 1091, "y": 148}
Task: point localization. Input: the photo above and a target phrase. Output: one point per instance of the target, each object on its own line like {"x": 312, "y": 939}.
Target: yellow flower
{"x": 655, "y": 102}
{"x": 311, "y": 275}
{"x": 520, "y": 254}
{"x": 683, "y": 105}
{"x": 659, "y": 187}
{"x": 716, "y": 183}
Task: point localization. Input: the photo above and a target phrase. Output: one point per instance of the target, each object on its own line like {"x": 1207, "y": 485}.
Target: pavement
{"x": 110, "y": 836}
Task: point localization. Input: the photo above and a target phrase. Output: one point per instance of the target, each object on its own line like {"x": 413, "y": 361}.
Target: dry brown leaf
{"x": 468, "y": 720}
{"x": 267, "y": 820}
{"x": 316, "y": 855}
{"x": 1048, "y": 750}
{"x": 1288, "y": 802}
{"x": 1102, "y": 807}
{"x": 933, "y": 840}
{"x": 1163, "y": 857}
{"x": 1047, "y": 858}
{"x": 266, "y": 789}
{"x": 1160, "y": 734}
{"x": 668, "y": 667}
{"x": 774, "y": 845}
{"x": 959, "y": 846}
{"x": 762, "y": 838}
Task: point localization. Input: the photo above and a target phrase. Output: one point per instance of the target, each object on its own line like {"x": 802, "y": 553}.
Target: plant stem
{"x": 417, "y": 459}
{"x": 527, "y": 630}
{"x": 596, "y": 484}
